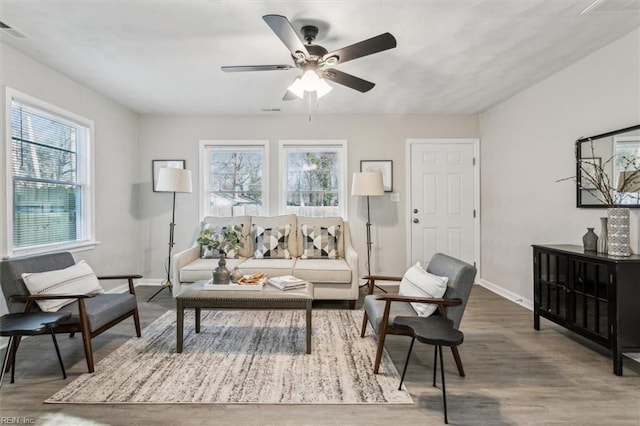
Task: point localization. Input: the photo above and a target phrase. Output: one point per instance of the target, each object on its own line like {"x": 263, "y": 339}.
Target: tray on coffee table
{"x": 233, "y": 286}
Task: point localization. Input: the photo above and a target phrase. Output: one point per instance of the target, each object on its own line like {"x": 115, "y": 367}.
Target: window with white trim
{"x": 234, "y": 178}
{"x": 49, "y": 205}
{"x": 313, "y": 179}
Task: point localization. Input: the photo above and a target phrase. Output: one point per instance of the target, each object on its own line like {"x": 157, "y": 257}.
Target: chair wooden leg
{"x": 16, "y": 343}
{"x": 136, "y": 323}
{"x": 381, "y": 336}
{"x": 86, "y": 335}
{"x": 456, "y": 356}
{"x": 435, "y": 364}
{"x": 365, "y": 319}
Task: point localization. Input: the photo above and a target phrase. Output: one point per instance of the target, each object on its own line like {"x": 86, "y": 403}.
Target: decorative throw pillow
{"x": 320, "y": 242}
{"x": 210, "y": 232}
{"x": 271, "y": 242}
{"x": 419, "y": 283}
{"x": 76, "y": 279}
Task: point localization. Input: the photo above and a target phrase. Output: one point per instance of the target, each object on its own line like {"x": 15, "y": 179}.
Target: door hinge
{"x": 474, "y": 161}
{"x": 474, "y": 213}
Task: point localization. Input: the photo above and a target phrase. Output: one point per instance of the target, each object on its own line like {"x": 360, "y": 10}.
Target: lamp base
{"x": 165, "y": 284}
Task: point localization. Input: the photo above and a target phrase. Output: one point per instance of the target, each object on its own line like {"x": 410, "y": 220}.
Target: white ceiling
{"x": 453, "y": 57}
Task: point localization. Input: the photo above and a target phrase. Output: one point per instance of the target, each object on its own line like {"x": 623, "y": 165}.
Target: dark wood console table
{"x": 592, "y": 294}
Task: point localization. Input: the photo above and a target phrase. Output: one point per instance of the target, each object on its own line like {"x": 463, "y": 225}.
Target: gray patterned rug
{"x": 244, "y": 357}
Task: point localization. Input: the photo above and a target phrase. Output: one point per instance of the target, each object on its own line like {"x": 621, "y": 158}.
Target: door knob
{"x": 416, "y": 220}
{"x": 415, "y": 210}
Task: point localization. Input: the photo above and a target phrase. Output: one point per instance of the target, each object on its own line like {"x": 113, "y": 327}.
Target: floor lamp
{"x": 172, "y": 180}
{"x": 368, "y": 184}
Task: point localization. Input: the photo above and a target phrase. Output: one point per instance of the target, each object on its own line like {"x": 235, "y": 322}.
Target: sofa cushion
{"x": 321, "y": 221}
{"x": 272, "y": 267}
{"x": 323, "y": 270}
{"x": 202, "y": 269}
{"x": 215, "y": 233}
{"x": 244, "y": 221}
{"x": 279, "y": 222}
{"x": 319, "y": 242}
{"x": 76, "y": 279}
{"x": 271, "y": 242}
{"x": 419, "y": 283}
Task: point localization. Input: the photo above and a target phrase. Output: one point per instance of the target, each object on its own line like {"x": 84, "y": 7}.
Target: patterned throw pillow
{"x": 320, "y": 242}
{"x": 271, "y": 242}
{"x": 212, "y": 231}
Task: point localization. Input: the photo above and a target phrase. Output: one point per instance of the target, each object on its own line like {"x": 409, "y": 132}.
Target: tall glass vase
{"x": 618, "y": 232}
{"x": 602, "y": 240}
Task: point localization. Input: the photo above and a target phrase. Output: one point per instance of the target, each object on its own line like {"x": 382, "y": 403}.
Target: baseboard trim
{"x": 506, "y": 294}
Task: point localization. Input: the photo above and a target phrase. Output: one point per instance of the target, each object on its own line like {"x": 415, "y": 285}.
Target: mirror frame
{"x": 578, "y": 152}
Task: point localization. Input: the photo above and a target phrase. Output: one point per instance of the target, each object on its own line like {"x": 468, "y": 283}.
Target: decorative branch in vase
{"x": 594, "y": 179}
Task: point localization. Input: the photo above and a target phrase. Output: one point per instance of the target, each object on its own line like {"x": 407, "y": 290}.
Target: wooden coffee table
{"x": 195, "y": 296}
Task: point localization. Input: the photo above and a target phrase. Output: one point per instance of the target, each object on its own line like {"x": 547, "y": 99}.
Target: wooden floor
{"x": 514, "y": 376}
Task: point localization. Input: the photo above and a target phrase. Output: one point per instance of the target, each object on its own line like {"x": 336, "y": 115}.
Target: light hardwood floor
{"x": 514, "y": 376}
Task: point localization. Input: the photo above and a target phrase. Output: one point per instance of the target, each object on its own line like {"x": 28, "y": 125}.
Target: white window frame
{"x": 203, "y": 177}
{"x": 86, "y": 170}
{"x": 312, "y": 143}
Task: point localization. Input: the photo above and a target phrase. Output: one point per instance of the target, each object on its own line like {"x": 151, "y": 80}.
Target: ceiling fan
{"x": 315, "y": 61}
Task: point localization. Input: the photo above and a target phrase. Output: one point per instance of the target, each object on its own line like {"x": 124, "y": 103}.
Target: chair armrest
{"x": 129, "y": 279}
{"x": 371, "y": 280}
{"x": 119, "y": 277}
{"x": 388, "y": 298}
{"x": 414, "y": 299}
{"x": 32, "y": 297}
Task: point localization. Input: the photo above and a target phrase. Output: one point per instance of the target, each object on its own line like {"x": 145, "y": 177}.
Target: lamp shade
{"x": 367, "y": 183}
{"x": 174, "y": 180}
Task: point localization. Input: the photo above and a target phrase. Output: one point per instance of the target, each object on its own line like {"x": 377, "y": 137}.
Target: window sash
{"x": 49, "y": 199}
{"x": 234, "y": 178}
{"x": 315, "y": 185}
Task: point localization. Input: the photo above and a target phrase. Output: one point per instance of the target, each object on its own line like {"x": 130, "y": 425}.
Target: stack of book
{"x": 287, "y": 282}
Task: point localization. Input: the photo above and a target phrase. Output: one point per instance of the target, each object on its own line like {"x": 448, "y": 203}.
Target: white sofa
{"x": 333, "y": 279}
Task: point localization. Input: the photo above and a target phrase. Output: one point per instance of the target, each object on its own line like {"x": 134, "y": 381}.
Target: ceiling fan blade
{"x": 283, "y": 29}
{"x": 348, "y": 80}
{"x": 242, "y": 68}
{"x": 375, "y": 44}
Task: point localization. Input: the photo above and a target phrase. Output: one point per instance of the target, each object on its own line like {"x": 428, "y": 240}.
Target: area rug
{"x": 244, "y": 357}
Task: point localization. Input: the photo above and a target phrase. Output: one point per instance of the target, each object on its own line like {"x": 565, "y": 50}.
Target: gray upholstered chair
{"x": 90, "y": 314}
{"x": 380, "y": 310}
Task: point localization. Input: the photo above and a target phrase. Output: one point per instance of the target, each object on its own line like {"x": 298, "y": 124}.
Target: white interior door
{"x": 443, "y": 199}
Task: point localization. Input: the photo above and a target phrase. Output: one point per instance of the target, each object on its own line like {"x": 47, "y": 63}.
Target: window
{"x": 49, "y": 201}
{"x": 234, "y": 178}
{"x": 313, "y": 179}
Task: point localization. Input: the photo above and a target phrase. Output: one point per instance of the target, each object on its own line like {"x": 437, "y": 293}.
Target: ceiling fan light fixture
{"x": 310, "y": 82}
{"x": 297, "y": 88}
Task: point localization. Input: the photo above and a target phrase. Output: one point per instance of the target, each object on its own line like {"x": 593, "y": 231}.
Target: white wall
{"x": 368, "y": 138}
{"x": 528, "y": 144}
{"x": 115, "y": 153}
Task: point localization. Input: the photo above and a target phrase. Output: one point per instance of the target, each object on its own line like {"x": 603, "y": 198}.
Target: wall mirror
{"x": 608, "y": 169}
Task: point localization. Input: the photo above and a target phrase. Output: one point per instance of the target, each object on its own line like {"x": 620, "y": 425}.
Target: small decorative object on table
{"x": 602, "y": 241}
{"x": 236, "y": 275}
{"x": 590, "y": 240}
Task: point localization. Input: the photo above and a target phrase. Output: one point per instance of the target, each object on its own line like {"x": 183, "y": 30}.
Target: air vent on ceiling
{"x": 7, "y": 29}
{"x": 608, "y": 6}
{"x": 270, "y": 109}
